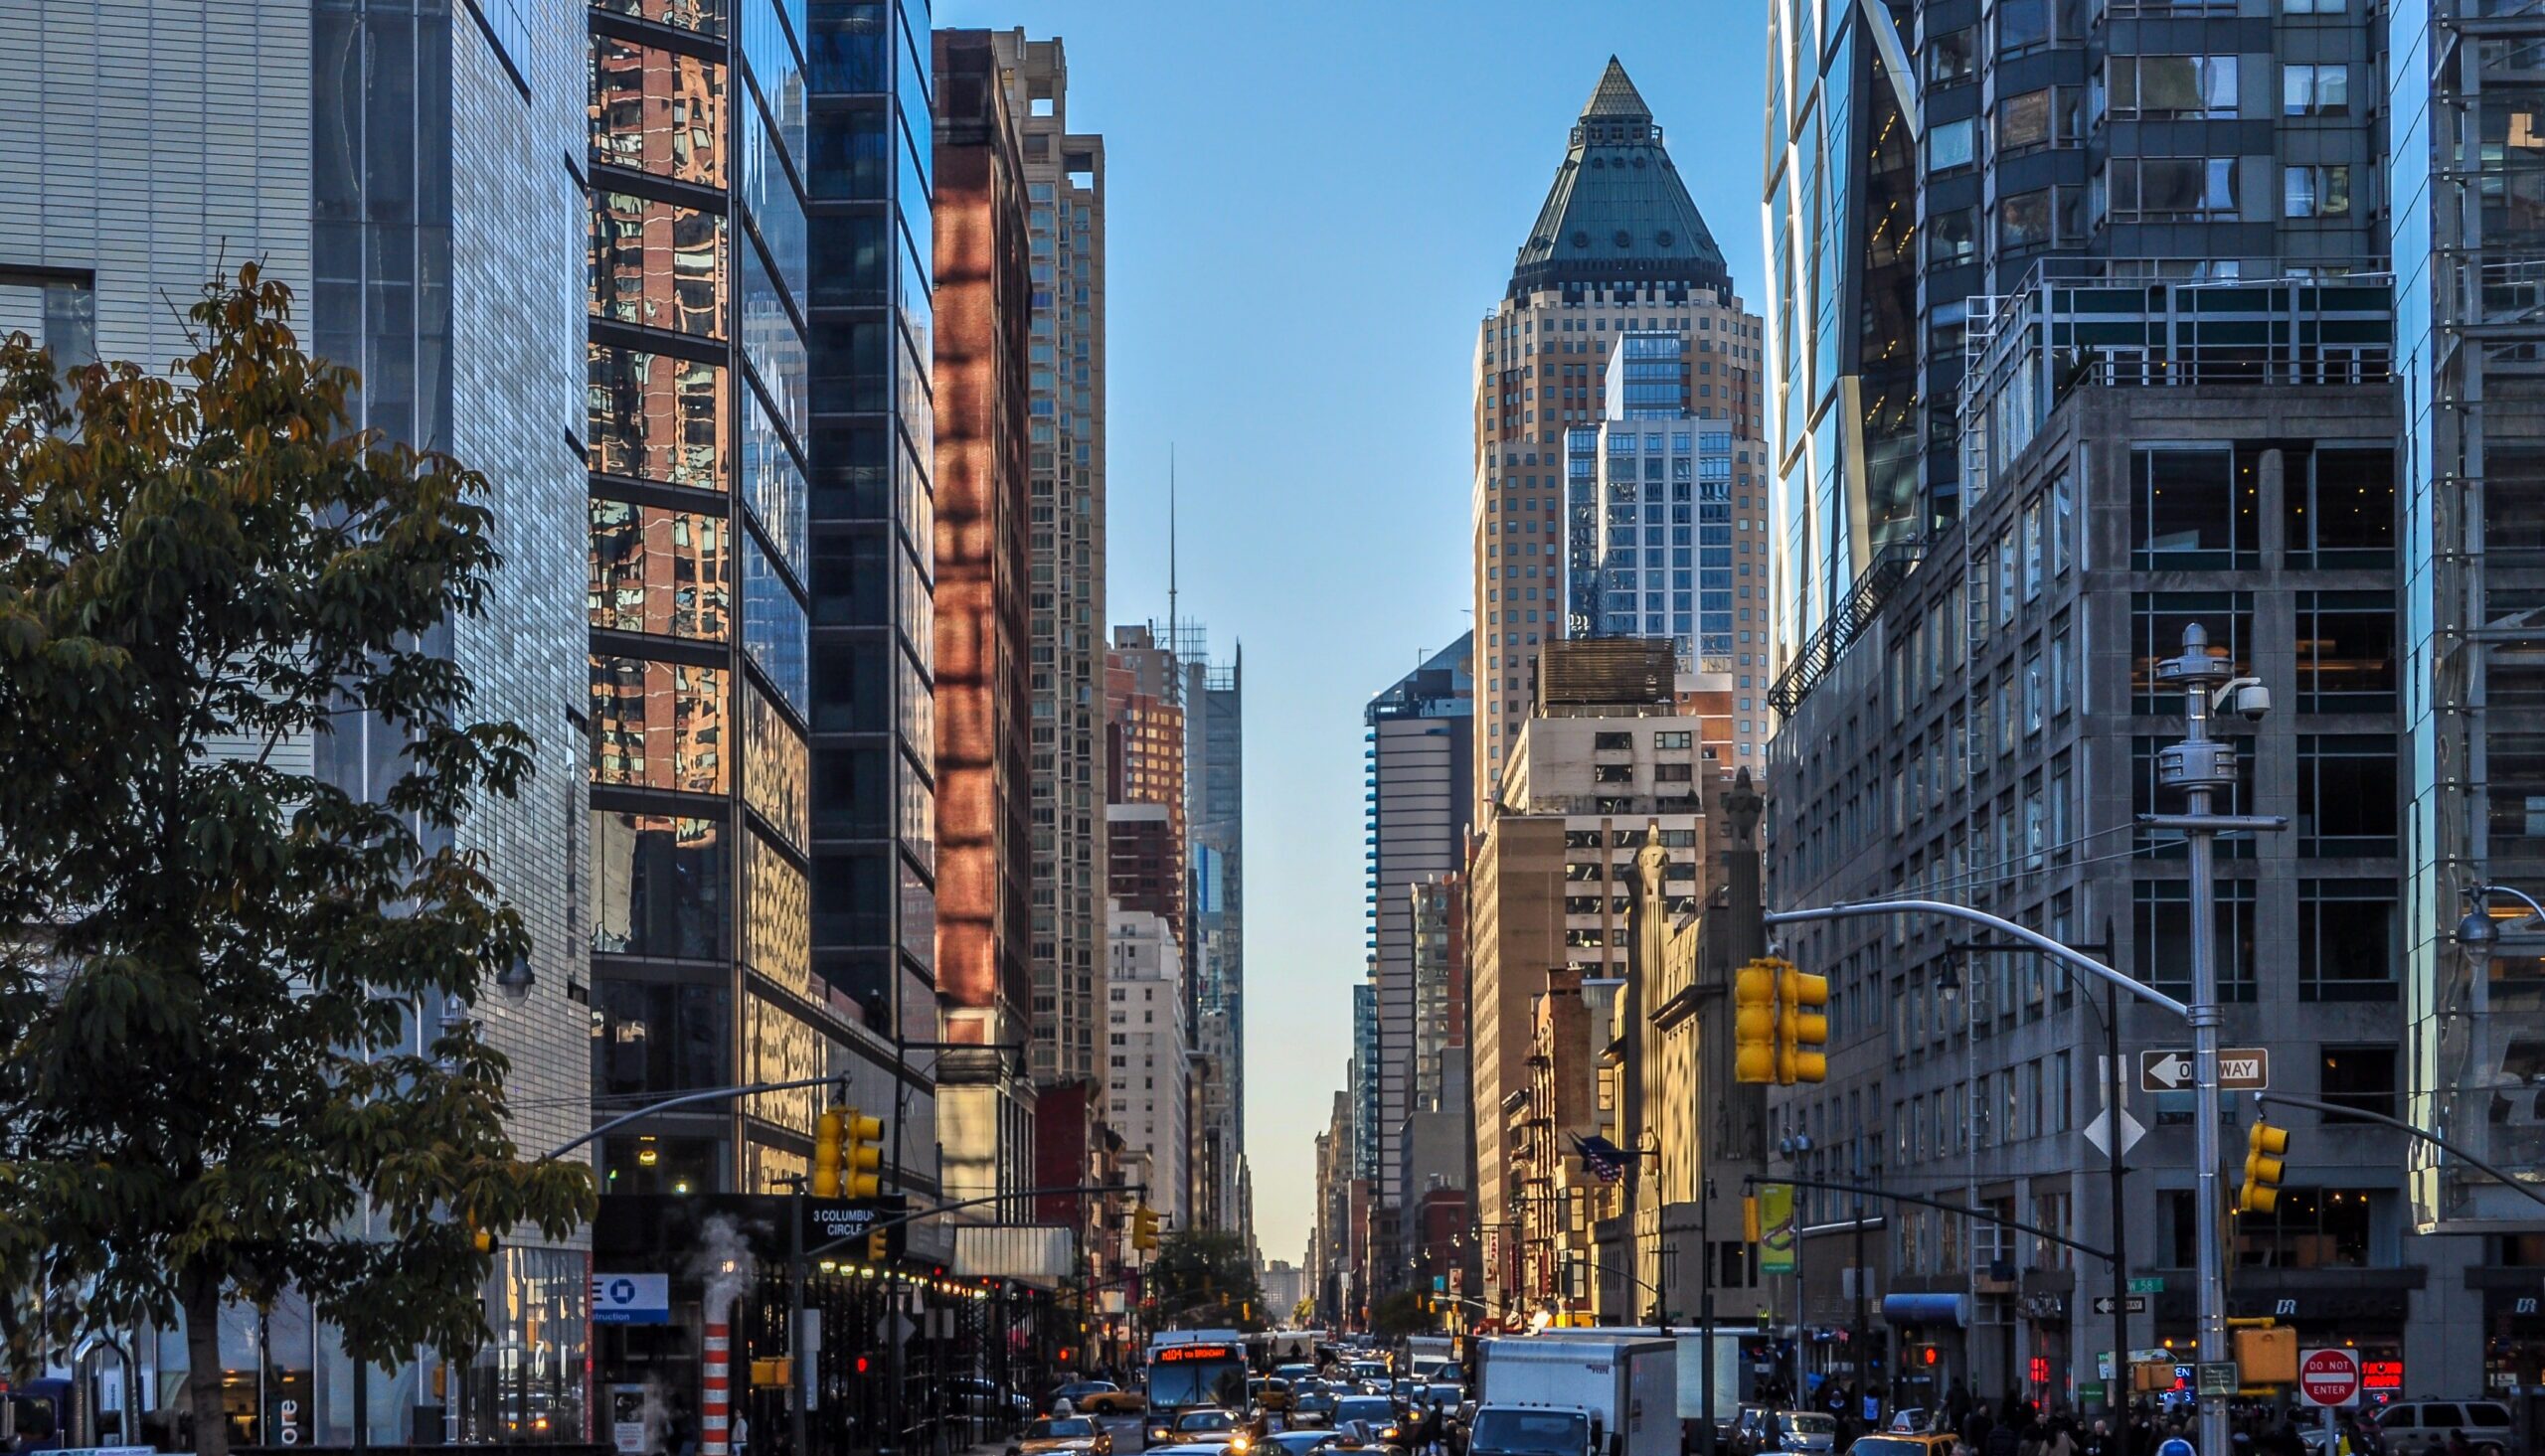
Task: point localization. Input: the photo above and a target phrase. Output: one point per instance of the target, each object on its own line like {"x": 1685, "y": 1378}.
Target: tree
{"x": 1303, "y": 1314}
{"x": 1203, "y": 1276}
{"x": 208, "y": 959}
{"x": 1398, "y": 1315}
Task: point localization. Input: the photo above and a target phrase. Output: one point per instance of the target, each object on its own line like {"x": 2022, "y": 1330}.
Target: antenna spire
{"x": 1170, "y": 544}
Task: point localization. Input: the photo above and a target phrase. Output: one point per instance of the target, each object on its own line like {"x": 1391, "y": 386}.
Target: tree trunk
{"x": 199, "y": 1295}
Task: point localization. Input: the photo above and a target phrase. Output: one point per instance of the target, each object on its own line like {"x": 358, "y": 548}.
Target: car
{"x": 1191, "y": 1448}
{"x": 976, "y": 1397}
{"x": 1268, "y": 1393}
{"x": 1294, "y": 1374}
{"x": 1102, "y": 1398}
{"x": 2422, "y": 1427}
{"x": 1904, "y": 1444}
{"x": 1811, "y": 1432}
{"x": 1295, "y": 1443}
{"x": 1750, "y": 1431}
{"x": 1077, "y": 1435}
{"x": 1374, "y": 1415}
{"x": 1195, "y": 1425}
{"x": 1314, "y": 1410}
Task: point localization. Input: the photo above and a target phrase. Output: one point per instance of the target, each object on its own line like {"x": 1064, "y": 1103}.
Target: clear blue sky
{"x": 1313, "y": 203}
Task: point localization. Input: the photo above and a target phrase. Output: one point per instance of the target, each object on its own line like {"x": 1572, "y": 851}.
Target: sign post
{"x": 2328, "y": 1378}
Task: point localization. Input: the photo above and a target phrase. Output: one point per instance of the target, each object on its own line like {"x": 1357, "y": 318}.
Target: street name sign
{"x": 2329, "y": 1376}
{"x": 2240, "y": 1070}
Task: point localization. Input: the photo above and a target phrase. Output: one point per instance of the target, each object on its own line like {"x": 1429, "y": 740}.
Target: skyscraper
{"x": 1418, "y": 749}
{"x": 1149, "y": 1075}
{"x": 1618, "y": 246}
{"x": 1215, "y": 929}
{"x": 1144, "y": 791}
{"x": 1064, "y": 381}
{"x": 399, "y": 168}
{"x": 983, "y": 706}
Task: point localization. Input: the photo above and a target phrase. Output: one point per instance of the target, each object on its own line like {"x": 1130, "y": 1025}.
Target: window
{"x": 656, "y": 570}
{"x": 2340, "y": 504}
{"x": 2189, "y": 187}
{"x": 2345, "y": 652}
{"x": 2156, "y": 631}
{"x": 658, "y": 724}
{"x": 2193, "y": 508}
{"x": 2024, "y": 121}
{"x": 1612, "y": 743}
{"x": 2162, "y": 957}
{"x": 1953, "y": 56}
{"x": 2315, "y": 192}
{"x": 658, "y": 886}
{"x": 1949, "y": 144}
{"x": 2022, "y": 25}
{"x": 2346, "y": 794}
{"x": 2023, "y": 221}
{"x": 2349, "y": 941}
{"x": 2361, "y": 1078}
{"x": 1613, "y": 773}
{"x": 1953, "y": 237}
{"x": 654, "y": 416}
{"x": 2185, "y": 87}
{"x": 1666, "y": 741}
{"x": 2309, "y": 1229}
{"x": 2033, "y": 550}
{"x": 59, "y": 313}
{"x": 2314, "y": 91}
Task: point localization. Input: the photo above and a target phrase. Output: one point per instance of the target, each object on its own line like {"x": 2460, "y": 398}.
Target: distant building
{"x": 1147, "y": 1052}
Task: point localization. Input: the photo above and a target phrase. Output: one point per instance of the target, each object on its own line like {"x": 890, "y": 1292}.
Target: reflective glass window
{"x": 776, "y": 912}
{"x": 772, "y": 625}
{"x": 658, "y": 265}
{"x": 658, "y": 886}
{"x": 667, "y": 572}
{"x": 774, "y": 209}
{"x": 773, "y": 483}
{"x": 849, "y": 46}
{"x": 774, "y": 345}
{"x": 774, "y": 769}
{"x": 656, "y": 1036}
{"x": 658, "y": 724}
{"x": 707, "y": 17}
{"x": 657, "y": 112}
{"x": 656, "y": 417}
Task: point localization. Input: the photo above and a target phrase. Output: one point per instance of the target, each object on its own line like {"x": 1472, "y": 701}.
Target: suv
{"x": 2422, "y": 1427}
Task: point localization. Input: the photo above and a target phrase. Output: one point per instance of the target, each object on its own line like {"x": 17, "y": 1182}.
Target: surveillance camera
{"x": 2253, "y": 701}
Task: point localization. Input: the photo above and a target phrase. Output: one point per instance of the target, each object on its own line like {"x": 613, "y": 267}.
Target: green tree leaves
{"x": 212, "y": 967}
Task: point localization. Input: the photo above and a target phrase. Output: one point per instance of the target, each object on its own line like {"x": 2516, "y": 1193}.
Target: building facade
{"x": 983, "y": 712}
{"x": 1618, "y": 246}
{"x": 1215, "y": 929}
{"x": 1418, "y": 752}
{"x": 1064, "y": 544}
{"x": 1149, "y": 1074}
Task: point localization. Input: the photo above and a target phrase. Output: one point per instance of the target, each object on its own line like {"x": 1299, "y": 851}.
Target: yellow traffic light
{"x": 1754, "y": 1022}
{"x": 1749, "y": 1218}
{"x": 862, "y": 1160}
{"x": 2264, "y": 1166}
{"x": 879, "y": 1246}
{"x": 830, "y": 1151}
{"x": 1144, "y": 1228}
{"x": 1801, "y": 1029}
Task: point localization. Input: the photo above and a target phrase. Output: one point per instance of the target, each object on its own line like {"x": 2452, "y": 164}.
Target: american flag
{"x": 1606, "y": 1160}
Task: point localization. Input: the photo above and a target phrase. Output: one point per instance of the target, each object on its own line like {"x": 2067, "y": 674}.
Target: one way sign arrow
{"x": 2164, "y": 1071}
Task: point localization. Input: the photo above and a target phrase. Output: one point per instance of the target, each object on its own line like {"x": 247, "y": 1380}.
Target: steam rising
{"x": 723, "y": 1263}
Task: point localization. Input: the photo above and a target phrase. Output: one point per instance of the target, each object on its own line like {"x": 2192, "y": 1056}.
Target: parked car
{"x": 1807, "y": 1432}
{"x": 974, "y": 1396}
{"x": 1100, "y": 1397}
{"x": 1063, "y": 1435}
{"x": 2422, "y": 1427}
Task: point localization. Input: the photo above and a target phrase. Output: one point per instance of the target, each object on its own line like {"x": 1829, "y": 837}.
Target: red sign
{"x": 2329, "y": 1376}
{"x": 1178, "y": 1354}
{"x": 2381, "y": 1375}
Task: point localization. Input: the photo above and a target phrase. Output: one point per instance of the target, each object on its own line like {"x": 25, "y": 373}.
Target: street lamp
{"x": 515, "y": 979}
{"x": 2479, "y": 933}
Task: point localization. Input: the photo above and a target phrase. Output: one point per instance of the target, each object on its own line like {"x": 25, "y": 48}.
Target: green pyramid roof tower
{"x": 1617, "y": 212}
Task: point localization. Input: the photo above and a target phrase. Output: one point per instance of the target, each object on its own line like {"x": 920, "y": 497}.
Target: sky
{"x": 1310, "y": 207}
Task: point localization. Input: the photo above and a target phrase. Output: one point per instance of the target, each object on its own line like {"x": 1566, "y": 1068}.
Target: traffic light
{"x": 879, "y": 1246}
{"x": 1803, "y": 1028}
{"x": 1144, "y": 1228}
{"x": 2264, "y": 1166}
{"x": 862, "y": 1160}
{"x": 830, "y": 1151}
{"x": 480, "y": 1238}
{"x": 1754, "y": 1022}
{"x": 1749, "y": 1218}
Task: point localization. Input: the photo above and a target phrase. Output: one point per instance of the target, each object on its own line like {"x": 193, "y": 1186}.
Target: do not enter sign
{"x": 2329, "y": 1376}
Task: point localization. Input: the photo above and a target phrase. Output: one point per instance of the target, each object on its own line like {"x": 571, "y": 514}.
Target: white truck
{"x": 1576, "y": 1396}
{"x": 1732, "y": 1382}
{"x": 1425, "y": 1354}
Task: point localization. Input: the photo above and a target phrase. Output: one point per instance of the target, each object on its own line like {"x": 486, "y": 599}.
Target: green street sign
{"x": 2150, "y": 1284}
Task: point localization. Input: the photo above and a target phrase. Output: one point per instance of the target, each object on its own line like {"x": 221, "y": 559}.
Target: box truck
{"x": 1579, "y": 1395}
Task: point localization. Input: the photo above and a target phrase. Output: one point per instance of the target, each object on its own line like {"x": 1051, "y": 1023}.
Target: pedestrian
{"x": 2005, "y": 1439}
{"x": 2458, "y": 1445}
{"x": 2098, "y": 1441}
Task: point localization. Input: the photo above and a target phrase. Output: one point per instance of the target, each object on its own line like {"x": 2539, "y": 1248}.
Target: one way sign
{"x": 2240, "y": 1070}
{"x": 2138, "y": 1304}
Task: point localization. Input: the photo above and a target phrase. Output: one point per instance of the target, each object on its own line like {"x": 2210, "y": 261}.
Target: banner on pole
{"x": 1776, "y": 1228}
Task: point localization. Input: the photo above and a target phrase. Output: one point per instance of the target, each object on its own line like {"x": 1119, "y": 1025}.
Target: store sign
{"x": 631, "y": 1299}
{"x": 2381, "y": 1375}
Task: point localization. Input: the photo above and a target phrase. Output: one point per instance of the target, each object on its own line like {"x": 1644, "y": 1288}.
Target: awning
{"x": 1926, "y": 1309}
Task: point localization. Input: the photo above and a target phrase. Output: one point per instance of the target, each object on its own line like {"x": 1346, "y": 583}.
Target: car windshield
{"x": 1060, "y": 1429}
{"x": 1365, "y": 1408}
{"x": 1887, "y": 1446}
{"x": 1204, "y": 1420}
{"x": 1296, "y": 1443}
{"x": 1528, "y": 1433}
{"x": 1317, "y": 1400}
{"x": 1811, "y": 1424}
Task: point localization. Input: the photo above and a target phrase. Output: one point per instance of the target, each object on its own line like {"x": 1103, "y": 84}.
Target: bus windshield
{"x": 1176, "y": 1385}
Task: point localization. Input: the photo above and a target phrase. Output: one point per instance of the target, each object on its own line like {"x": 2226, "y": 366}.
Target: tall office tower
{"x": 1149, "y": 1076}
{"x": 1618, "y": 245}
{"x": 1439, "y": 906}
{"x": 2465, "y": 108}
{"x": 1604, "y": 762}
{"x": 871, "y": 420}
{"x": 1215, "y": 930}
{"x": 1418, "y": 747}
{"x": 983, "y": 706}
{"x": 400, "y": 169}
{"x": 1145, "y": 754}
{"x": 1362, "y": 1077}
{"x": 1064, "y": 381}
{"x": 2104, "y": 141}
{"x": 1666, "y": 529}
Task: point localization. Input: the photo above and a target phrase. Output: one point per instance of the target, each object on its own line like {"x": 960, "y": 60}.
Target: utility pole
{"x": 796, "y": 1353}
{"x": 1859, "y": 1337}
{"x": 2201, "y": 766}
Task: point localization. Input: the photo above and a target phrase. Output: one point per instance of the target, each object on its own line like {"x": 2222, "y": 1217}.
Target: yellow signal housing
{"x": 830, "y": 1151}
{"x": 1754, "y": 1022}
{"x": 1144, "y": 1228}
{"x": 1803, "y": 1028}
{"x": 1749, "y": 1218}
{"x": 879, "y": 1246}
{"x": 862, "y": 1159}
{"x": 2266, "y": 1165}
